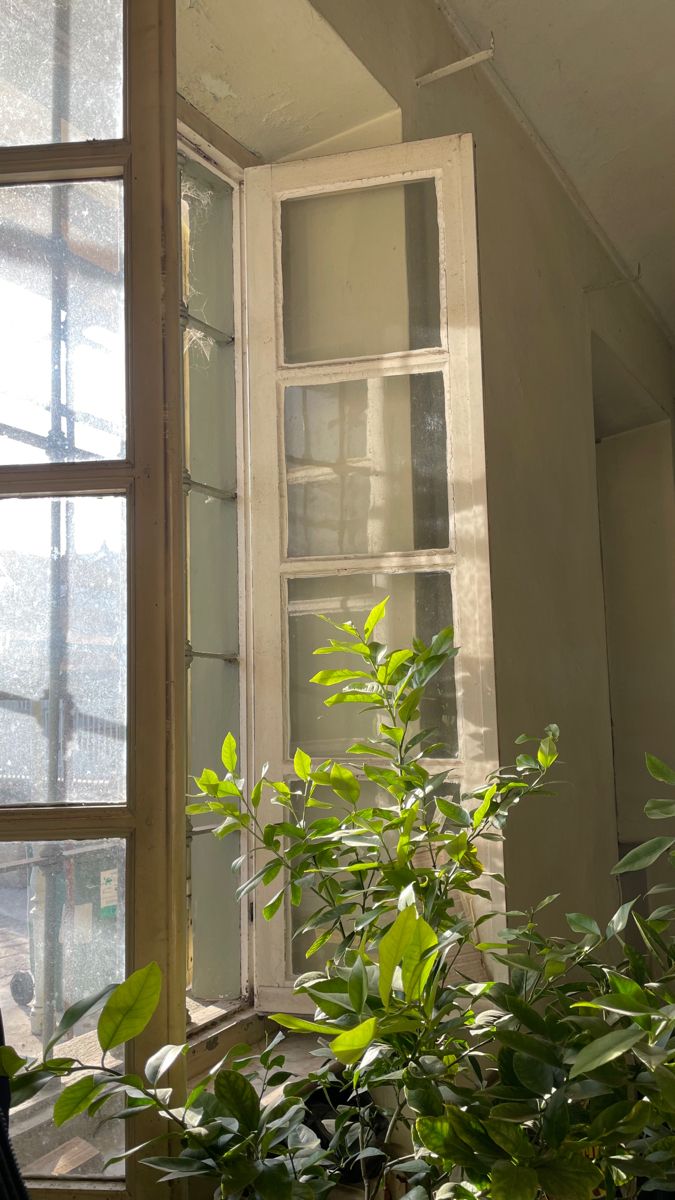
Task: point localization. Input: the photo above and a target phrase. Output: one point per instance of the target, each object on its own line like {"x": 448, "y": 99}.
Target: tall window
{"x": 88, "y": 345}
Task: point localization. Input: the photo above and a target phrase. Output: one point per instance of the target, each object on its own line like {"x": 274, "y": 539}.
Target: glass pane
{"x": 206, "y": 218}
{"x": 215, "y": 922}
{"x": 209, "y": 399}
{"x": 62, "y": 930}
{"x": 61, "y": 67}
{"x": 360, "y": 272}
{"x": 62, "y": 385}
{"x": 63, "y": 650}
{"x": 367, "y": 466}
{"x": 214, "y": 596}
{"x": 213, "y": 694}
{"x": 420, "y": 605}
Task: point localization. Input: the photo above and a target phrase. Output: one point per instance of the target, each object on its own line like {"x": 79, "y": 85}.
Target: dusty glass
{"x": 62, "y": 344}
{"x": 62, "y": 934}
{"x": 366, "y": 466}
{"x": 61, "y": 71}
{"x": 63, "y": 650}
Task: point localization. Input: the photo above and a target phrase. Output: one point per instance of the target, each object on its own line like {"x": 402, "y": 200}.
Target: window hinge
{"x": 251, "y": 912}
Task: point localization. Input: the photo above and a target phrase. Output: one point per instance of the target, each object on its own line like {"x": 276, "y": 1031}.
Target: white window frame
{"x": 449, "y": 161}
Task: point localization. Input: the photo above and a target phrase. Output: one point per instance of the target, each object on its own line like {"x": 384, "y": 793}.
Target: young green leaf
{"x": 660, "y": 770}
{"x": 392, "y": 948}
{"x": 417, "y": 963}
{"x": 344, "y": 783}
{"x": 350, "y": 1045}
{"x": 580, "y": 923}
{"x": 228, "y": 753}
{"x": 358, "y": 986}
{"x": 302, "y": 764}
{"x": 130, "y": 1007}
{"x": 374, "y": 617}
{"x": 660, "y": 809}
{"x": 75, "y": 1013}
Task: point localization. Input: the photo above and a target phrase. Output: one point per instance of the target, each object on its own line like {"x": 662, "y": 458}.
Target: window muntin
{"x": 61, "y": 69}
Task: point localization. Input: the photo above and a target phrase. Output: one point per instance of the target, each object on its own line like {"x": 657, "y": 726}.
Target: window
{"x": 91, "y": 788}
{"x": 367, "y": 473}
{"x": 213, "y": 471}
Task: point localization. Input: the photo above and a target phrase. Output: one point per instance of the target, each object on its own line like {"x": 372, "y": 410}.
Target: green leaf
{"x": 643, "y": 856}
{"x": 513, "y": 1182}
{"x": 547, "y": 753}
{"x": 301, "y": 1025}
{"x": 570, "y": 1176}
{"x": 337, "y": 675}
{"x": 238, "y": 1098}
{"x": 273, "y": 905}
{"x": 556, "y": 1119}
{"x": 510, "y": 1137}
{"x": 344, "y": 783}
{"x": 130, "y": 1006}
{"x": 350, "y": 1045}
{"x": 580, "y": 923}
{"x": 535, "y": 1075}
{"x": 398, "y": 658}
{"x": 454, "y": 812}
{"x": 76, "y": 1098}
{"x": 619, "y": 920}
{"x": 228, "y": 753}
{"x": 75, "y": 1013}
{"x": 302, "y": 764}
{"x": 161, "y": 1061}
{"x": 358, "y": 985}
{"x": 374, "y": 617}
{"x": 10, "y": 1062}
{"x": 605, "y": 1049}
{"x": 659, "y": 770}
{"x": 392, "y": 948}
{"x": 415, "y": 967}
{"x": 659, "y": 809}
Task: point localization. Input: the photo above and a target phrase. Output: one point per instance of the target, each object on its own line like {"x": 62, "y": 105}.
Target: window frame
{"x": 450, "y": 161}
{"x": 152, "y": 821}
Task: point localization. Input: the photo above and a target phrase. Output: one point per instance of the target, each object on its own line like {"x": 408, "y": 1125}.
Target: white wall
{"x": 637, "y": 518}
{"x": 537, "y": 257}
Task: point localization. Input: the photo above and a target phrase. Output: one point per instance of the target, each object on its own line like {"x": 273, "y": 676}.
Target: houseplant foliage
{"x": 556, "y": 1081}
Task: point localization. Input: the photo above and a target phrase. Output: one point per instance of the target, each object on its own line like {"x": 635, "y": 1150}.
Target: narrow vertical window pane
{"x": 420, "y": 605}
{"x": 214, "y": 600}
{"x": 206, "y": 221}
{"x": 62, "y": 385}
{"x": 61, "y": 71}
{"x": 62, "y": 933}
{"x": 63, "y": 650}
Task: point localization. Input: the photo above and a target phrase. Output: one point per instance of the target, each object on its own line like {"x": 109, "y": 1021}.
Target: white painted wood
{"x": 449, "y": 161}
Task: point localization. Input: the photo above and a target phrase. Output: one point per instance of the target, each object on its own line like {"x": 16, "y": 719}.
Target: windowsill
{"x": 209, "y": 1043}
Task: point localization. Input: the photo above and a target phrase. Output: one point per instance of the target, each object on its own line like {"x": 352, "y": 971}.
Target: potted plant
{"x": 557, "y": 1082}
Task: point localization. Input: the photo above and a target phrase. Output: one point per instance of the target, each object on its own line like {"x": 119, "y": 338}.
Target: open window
{"x": 367, "y": 467}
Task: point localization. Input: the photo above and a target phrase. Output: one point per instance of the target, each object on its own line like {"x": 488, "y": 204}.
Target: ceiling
{"x": 595, "y": 79}
{"x": 284, "y": 62}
